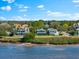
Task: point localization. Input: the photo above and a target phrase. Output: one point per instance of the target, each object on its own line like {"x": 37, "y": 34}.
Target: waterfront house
{"x": 76, "y": 27}
{"x": 41, "y": 31}
{"x": 20, "y": 29}
{"x": 52, "y": 31}
{"x": 64, "y": 33}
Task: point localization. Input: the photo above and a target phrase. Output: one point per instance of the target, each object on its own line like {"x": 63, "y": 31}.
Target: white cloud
{"x": 9, "y": 1}
{"x": 2, "y": 18}
{"x": 3, "y": 8}
{"x": 24, "y": 15}
{"x": 26, "y": 7}
{"x": 7, "y": 8}
{"x": 23, "y": 10}
{"x": 19, "y": 18}
{"x": 75, "y": 1}
{"x": 61, "y": 15}
{"x": 75, "y": 16}
{"x": 22, "y": 6}
{"x": 77, "y": 5}
{"x": 57, "y": 14}
{"x": 40, "y": 6}
{"x": 14, "y": 18}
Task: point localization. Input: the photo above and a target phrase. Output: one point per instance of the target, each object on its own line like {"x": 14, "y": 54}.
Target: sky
{"x": 28, "y": 10}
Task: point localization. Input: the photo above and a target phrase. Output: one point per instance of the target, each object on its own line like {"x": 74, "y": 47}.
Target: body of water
{"x": 16, "y": 51}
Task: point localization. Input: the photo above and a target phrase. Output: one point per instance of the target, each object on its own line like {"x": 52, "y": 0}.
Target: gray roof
{"x": 41, "y": 29}
{"x": 52, "y": 29}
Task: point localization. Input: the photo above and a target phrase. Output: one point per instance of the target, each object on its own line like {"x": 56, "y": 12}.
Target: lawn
{"x": 44, "y": 39}
{"x": 57, "y": 40}
{"x": 45, "y": 36}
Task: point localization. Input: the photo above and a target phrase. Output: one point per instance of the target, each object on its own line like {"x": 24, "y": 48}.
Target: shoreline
{"x": 32, "y": 44}
{"x": 35, "y": 44}
{"x": 46, "y": 41}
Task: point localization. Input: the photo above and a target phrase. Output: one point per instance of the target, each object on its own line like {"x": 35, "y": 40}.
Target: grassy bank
{"x": 13, "y": 39}
{"x": 56, "y": 40}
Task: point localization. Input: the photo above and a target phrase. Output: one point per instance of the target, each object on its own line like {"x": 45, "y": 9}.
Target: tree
{"x": 66, "y": 27}
{"x": 54, "y": 25}
{"x": 3, "y": 32}
{"x": 38, "y": 24}
{"x": 28, "y": 37}
{"x": 5, "y": 26}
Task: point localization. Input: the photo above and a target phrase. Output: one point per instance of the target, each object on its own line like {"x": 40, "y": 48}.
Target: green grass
{"x": 56, "y": 40}
{"x": 45, "y": 36}
{"x": 10, "y": 39}
{"x": 45, "y": 39}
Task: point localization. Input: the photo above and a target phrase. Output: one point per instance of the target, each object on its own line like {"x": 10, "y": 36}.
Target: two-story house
{"x": 52, "y": 31}
{"x": 76, "y": 27}
{"x": 20, "y": 29}
{"x": 41, "y": 31}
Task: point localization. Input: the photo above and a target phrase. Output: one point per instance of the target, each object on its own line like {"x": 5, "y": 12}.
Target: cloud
{"x": 26, "y": 7}
{"x": 19, "y": 18}
{"x": 23, "y": 10}
{"x": 24, "y": 15}
{"x": 7, "y": 8}
{"x": 77, "y": 5}
{"x": 9, "y": 1}
{"x": 40, "y": 6}
{"x": 57, "y": 14}
{"x": 75, "y": 1}
{"x": 75, "y": 16}
{"x": 22, "y": 7}
{"x": 63, "y": 16}
{"x": 14, "y": 18}
{"x": 2, "y": 18}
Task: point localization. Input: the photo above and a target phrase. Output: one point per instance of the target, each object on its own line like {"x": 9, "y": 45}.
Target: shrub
{"x": 28, "y": 37}
{"x": 72, "y": 32}
{"x": 11, "y": 34}
{"x": 3, "y": 33}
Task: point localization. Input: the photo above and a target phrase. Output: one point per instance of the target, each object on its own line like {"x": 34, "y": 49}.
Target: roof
{"x": 20, "y": 25}
{"x": 52, "y": 29}
{"x": 41, "y": 29}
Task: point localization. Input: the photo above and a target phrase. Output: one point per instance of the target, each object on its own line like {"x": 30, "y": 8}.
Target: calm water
{"x": 13, "y": 51}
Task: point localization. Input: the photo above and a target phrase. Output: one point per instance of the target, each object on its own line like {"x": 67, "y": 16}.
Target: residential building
{"x": 41, "y": 31}
{"x": 64, "y": 33}
{"x": 76, "y": 27}
{"x": 52, "y": 31}
{"x": 21, "y": 29}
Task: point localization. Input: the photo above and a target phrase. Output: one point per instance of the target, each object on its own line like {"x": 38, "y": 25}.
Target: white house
{"x": 64, "y": 33}
{"x": 41, "y": 31}
{"x": 52, "y": 31}
{"x": 76, "y": 27}
{"x": 21, "y": 29}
